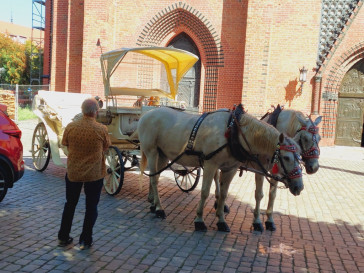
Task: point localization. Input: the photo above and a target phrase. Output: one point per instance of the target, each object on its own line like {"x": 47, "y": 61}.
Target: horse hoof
{"x": 160, "y": 214}
{"x": 258, "y": 227}
{"x": 222, "y": 226}
{"x": 270, "y": 226}
{"x": 200, "y": 226}
{"x": 152, "y": 209}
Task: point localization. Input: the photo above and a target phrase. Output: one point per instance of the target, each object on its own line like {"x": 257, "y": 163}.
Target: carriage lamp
{"x": 303, "y": 76}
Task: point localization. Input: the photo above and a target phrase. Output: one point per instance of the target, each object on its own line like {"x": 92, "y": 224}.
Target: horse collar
{"x": 273, "y": 117}
{"x": 232, "y": 134}
{"x": 236, "y": 114}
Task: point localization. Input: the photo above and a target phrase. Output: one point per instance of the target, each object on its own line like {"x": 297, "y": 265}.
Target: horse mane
{"x": 293, "y": 124}
{"x": 259, "y": 133}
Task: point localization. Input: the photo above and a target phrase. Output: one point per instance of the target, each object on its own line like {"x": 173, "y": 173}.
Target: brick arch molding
{"x": 181, "y": 17}
{"x": 334, "y": 79}
{"x": 345, "y": 62}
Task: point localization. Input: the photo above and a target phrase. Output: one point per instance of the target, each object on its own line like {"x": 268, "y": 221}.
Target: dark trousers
{"x": 73, "y": 191}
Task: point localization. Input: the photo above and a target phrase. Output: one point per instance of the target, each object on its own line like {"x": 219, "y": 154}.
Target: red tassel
{"x": 227, "y": 133}
{"x": 275, "y": 168}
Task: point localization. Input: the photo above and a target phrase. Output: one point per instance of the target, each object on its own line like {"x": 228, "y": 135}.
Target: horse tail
{"x": 142, "y": 165}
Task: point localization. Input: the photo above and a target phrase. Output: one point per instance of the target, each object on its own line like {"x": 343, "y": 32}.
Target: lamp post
{"x": 303, "y": 76}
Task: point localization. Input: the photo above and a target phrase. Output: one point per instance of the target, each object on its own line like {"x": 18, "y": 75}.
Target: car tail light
{"x": 14, "y": 133}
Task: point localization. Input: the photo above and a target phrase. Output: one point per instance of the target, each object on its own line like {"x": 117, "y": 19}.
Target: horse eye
{"x": 286, "y": 158}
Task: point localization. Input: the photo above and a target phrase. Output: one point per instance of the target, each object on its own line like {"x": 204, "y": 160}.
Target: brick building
{"x": 18, "y": 33}
{"x": 250, "y": 52}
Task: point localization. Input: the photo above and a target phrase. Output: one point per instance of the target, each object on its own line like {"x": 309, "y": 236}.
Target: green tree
{"x": 15, "y": 60}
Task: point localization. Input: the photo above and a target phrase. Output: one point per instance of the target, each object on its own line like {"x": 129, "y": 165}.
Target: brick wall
{"x": 251, "y": 51}
{"x": 281, "y": 38}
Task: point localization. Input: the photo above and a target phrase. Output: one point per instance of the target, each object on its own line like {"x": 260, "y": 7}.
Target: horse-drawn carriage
{"x": 135, "y": 81}
{"x": 141, "y": 79}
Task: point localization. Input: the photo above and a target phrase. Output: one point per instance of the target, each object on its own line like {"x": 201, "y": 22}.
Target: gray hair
{"x": 90, "y": 107}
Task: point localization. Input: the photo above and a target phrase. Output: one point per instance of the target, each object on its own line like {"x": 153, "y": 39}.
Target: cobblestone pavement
{"x": 319, "y": 231}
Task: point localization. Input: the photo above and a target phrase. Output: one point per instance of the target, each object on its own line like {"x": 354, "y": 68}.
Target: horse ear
{"x": 301, "y": 119}
{"x": 297, "y": 138}
{"x": 281, "y": 138}
{"x": 317, "y": 120}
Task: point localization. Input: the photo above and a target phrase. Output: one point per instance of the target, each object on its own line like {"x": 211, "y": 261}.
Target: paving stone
{"x": 318, "y": 231}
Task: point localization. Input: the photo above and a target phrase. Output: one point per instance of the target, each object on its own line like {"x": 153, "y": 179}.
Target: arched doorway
{"x": 350, "y": 115}
{"x": 189, "y": 86}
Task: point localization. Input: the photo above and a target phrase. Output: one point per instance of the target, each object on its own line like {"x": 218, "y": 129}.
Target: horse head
{"x": 308, "y": 138}
{"x": 286, "y": 164}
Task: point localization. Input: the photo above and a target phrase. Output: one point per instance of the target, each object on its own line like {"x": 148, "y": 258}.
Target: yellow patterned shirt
{"x": 86, "y": 140}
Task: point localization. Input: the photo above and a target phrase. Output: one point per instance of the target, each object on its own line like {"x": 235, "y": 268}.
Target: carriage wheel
{"x": 129, "y": 160}
{"x": 41, "y": 152}
{"x": 187, "y": 178}
{"x": 114, "y": 178}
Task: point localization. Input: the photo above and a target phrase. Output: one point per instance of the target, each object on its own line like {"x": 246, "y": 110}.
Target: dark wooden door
{"x": 349, "y": 124}
{"x": 189, "y": 86}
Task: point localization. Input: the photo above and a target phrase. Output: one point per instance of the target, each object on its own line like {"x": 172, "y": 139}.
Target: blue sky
{"x": 21, "y": 11}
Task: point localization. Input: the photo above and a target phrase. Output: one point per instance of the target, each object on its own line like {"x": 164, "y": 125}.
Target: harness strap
{"x": 166, "y": 167}
{"x": 191, "y": 140}
{"x": 266, "y": 114}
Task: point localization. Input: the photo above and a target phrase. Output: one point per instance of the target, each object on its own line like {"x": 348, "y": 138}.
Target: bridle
{"x": 286, "y": 178}
{"x": 314, "y": 151}
{"x": 296, "y": 172}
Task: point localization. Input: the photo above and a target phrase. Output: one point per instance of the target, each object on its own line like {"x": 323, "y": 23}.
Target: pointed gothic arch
{"x": 181, "y": 17}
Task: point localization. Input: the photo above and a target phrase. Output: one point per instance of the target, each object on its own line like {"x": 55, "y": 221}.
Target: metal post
{"x": 16, "y": 102}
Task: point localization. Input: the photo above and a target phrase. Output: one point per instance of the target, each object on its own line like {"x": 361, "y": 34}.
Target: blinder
{"x": 297, "y": 171}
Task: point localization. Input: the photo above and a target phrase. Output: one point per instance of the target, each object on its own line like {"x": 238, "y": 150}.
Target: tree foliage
{"x": 15, "y": 61}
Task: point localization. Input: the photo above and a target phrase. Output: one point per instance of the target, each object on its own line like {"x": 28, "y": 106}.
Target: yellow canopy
{"x": 173, "y": 59}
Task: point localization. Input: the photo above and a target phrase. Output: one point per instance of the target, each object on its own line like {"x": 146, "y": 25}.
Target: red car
{"x": 11, "y": 152}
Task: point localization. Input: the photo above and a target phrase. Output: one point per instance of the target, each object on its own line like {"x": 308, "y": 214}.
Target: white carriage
{"x": 135, "y": 80}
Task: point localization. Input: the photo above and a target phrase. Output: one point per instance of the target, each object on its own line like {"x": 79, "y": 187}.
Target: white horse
{"x": 164, "y": 135}
{"x": 305, "y": 132}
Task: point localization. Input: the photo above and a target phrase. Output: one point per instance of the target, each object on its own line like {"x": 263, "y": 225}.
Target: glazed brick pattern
{"x": 348, "y": 49}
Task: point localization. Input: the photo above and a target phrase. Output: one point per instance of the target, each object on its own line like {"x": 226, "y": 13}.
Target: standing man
{"x": 86, "y": 140}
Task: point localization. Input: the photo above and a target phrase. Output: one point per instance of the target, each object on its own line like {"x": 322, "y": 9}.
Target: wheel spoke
{"x": 115, "y": 173}
{"x": 186, "y": 178}
{"x": 40, "y": 147}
